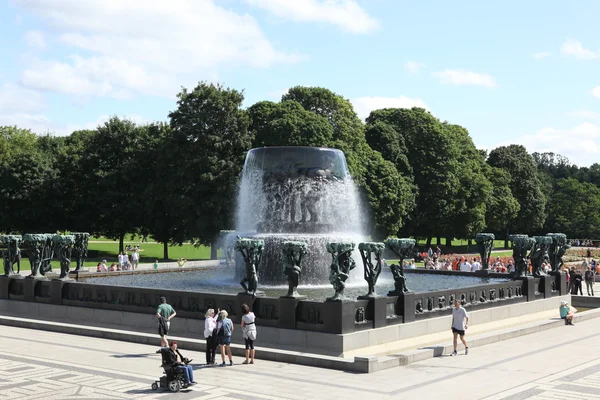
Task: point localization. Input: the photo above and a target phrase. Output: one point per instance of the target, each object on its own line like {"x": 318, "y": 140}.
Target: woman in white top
{"x": 249, "y": 330}
{"x": 210, "y": 324}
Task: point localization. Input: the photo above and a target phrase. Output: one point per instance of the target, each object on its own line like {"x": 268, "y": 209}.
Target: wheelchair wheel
{"x": 154, "y": 386}
{"x": 174, "y": 386}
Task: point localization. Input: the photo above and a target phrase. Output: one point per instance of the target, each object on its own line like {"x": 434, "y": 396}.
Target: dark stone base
{"x": 368, "y": 297}
{"x": 295, "y": 297}
{"x": 258, "y": 293}
{"x": 482, "y": 272}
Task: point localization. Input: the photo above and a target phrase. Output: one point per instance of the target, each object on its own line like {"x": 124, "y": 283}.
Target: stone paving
{"x": 561, "y": 363}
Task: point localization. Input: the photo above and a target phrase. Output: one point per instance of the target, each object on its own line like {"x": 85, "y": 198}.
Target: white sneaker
{"x": 466, "y": 351}
{"x": 453, "y": 353}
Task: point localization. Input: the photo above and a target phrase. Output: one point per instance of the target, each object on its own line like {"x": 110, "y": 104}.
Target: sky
{"x": 510, "y": 72}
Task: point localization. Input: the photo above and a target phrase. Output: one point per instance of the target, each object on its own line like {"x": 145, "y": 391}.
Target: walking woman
{"x": 249, "y": 330}
{"x": 224, "y": 331}
{"x": 210, "y": 334}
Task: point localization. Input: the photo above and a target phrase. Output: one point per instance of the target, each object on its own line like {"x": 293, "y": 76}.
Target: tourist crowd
{"x": 218, "y": 328}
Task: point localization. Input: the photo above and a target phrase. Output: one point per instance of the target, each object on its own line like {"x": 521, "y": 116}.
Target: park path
{"x": 561, "y": 363}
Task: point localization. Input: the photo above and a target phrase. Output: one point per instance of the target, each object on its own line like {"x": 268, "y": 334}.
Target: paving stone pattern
{"x": 561, "y": 363}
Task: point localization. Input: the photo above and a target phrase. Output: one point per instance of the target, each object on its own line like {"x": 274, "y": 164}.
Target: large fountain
{"x": 301, "y": 194}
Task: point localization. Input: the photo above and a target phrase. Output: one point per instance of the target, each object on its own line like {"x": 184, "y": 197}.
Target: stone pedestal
{"x": 528, "y": 287}
{"x": 29, "y": 289}
{"x": 482, "y": 272}
{"x": 377, "y": 307}
{"x": 406, "y": 305}
{"x": 4, "y": 284}
{"x": 56, "y": 286}
{"x": 546, "y": 284}
{"x": 287, "y": 311}
{"x": 339, "y": 316}
{"x": 561, "y": 282}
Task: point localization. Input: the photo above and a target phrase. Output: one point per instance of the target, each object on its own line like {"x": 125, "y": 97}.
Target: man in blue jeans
{"x": 179, "y": 362}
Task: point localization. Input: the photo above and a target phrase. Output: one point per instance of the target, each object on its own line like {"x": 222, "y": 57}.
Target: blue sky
{"x": 510, "y": 72}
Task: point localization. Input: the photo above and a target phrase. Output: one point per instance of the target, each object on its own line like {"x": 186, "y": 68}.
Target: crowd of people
{"x": 218, "y": 329}
{"x": 124, "y": 261}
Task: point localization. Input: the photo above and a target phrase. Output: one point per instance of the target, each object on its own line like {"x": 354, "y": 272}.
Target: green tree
{"x": 26, "y": 173}
{"x": 501, "y": 206}
{"x": 474, "y": 191}
{"x": 164, "y": 203}
{"x": 433, "y": 157}
{"x": 524, "y": 185}
{"x": 574, "y": 209}
{"x": 210, "y": 138}
{"x": 113, "y": 164}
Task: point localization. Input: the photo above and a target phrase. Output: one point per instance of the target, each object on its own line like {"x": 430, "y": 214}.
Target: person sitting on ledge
{"x": 174, "y": 358}
{"x": 566, "y": 313}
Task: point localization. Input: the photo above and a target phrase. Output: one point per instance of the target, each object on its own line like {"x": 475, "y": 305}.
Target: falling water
{"x": 299, "y": 193}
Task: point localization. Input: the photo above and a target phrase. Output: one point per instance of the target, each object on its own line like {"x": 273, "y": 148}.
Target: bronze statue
{"x": 402, "y": 248}
{"x": 251, "y": 251}
{"x": 485, "y": 244}
{"x": 293, "y": 253}
{"x": 521, "y": 244}
{"x": 539, "y": 253}
{"x": 371, "y": 272}
{"x": 11, "y": 254}
{"x": 63, "y": 245}
{"x": 36, "y": 251}
{"x": 80, "y": 248}
{"x": 341, "y": 265}
{"x": 557, "y": 250}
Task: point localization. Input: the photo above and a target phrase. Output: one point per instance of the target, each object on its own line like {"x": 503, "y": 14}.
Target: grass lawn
{"x": 150, "y": 252}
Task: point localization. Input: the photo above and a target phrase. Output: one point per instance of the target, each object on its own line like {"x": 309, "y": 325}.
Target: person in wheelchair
{"x": 174, "y": 361}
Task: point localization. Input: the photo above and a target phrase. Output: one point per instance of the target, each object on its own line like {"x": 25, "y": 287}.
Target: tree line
{"x": 176, "y": 181}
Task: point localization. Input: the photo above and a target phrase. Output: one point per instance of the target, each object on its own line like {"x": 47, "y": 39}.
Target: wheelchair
{"x": 172, "y": 378}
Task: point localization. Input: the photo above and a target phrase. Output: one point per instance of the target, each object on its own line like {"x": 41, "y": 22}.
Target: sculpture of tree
{"x": 403, "y": 249}
{"x": 521, "y": 244}
{"x": 367, "y": 251}
{"x": 557, "y": 249}
{"x": 63, "y": 245}
{"x": 47, "y": 254}
{"x": 227, "y": 241}
{"x": 292, "y": 254}
{"x": 12, "y": 253}
{"x": 485, "y": 244}
{"x": 341, "y": 265}
{"x": 80, "y": 248}
{"x": 539, "y": 253}
{"x": 251, "y": 251}
{"x": 36, "y": 251}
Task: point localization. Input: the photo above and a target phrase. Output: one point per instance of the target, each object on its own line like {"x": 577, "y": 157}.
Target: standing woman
{"x": 249, "y": 329}
{"x": 224, "y": 331}
{"x": 210, "y": 334}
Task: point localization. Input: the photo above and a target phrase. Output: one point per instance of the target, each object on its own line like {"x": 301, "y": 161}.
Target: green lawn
{"x": 150, "y": 252}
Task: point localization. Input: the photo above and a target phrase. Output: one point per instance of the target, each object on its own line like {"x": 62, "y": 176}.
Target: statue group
{"x": 342, "y": 263}
{"x": 42, "y": 248}
{"x": 538, "y": 249}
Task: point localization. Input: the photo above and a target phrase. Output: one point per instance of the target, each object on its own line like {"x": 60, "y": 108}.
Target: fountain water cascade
{"x": 301, "y": 194}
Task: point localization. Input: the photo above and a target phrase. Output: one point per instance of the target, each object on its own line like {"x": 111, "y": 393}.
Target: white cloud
{"x": 585, "y": 114}
{"x": 413, "y": 66}
{"x": 540, "y": 55}
{"x": 364, "y": 105}
{"x": 596, "y": 91}
{"x": 346, "y": 14}
{"x": 17, "y": 99}
{"x": 150, "y": 47}
{"x": 575, "y": 48}
{"x": 462, "y": 77}
{"x": 580, "y": 144}
{"x": 35, "y": 39}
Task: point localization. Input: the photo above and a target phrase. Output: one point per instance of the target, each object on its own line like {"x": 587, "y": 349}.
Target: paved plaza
{"x": 560, "y": 363}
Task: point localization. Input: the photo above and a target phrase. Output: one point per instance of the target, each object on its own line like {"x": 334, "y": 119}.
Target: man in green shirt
{"x": 164, "y": 313}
